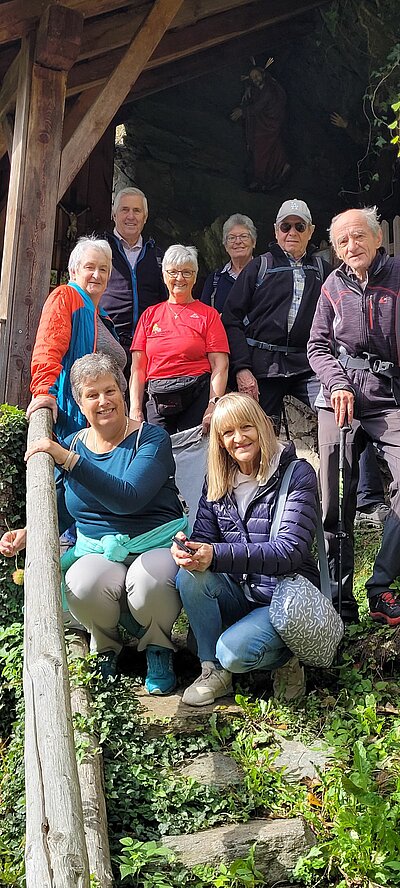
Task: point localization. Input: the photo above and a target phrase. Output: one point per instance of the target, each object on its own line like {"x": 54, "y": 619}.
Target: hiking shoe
{"x": 372, "y": 516}
{"x": 211, "y": 684}
{"x": 160, "y": 678}
{"x": 386, "y": 608}
{"x": 107, "y": 664}
{"x": 289, "y": 681}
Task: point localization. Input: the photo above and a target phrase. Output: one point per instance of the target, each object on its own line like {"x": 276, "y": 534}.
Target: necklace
{"x": 96, "y": 450}
{"x": 177, "y": 313}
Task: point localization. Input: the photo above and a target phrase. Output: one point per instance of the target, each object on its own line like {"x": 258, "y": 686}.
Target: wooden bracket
{"x": 58, "y": 38}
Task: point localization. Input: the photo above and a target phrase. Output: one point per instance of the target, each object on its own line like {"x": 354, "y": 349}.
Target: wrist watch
{"x": 213, "y": 400}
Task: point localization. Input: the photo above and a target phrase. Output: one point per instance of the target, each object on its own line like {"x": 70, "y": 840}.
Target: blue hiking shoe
{"x": 160, "y": 678}
{"x": 107, "y": 664}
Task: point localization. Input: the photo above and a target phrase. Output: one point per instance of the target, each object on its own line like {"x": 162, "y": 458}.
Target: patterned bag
{"x": 303, "y": 616}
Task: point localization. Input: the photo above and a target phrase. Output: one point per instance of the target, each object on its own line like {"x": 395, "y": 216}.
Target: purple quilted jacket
{"x": 242, "y": 548}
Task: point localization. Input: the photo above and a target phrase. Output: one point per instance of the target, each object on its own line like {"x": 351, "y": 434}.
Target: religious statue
{"x": 72, "y": 230}
{"x": 263, "y": 109}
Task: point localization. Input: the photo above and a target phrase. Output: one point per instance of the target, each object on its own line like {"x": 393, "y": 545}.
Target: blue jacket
{"x": 67, "y": 331}
{"x": 242, "y": 548}
{"x": 131, "y": 290}
{"x": 221, "y": 282}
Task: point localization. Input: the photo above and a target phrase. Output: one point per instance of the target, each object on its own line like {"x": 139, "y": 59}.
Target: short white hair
{"x": 81, "y": 247}
{"x": 179, "y": 255}
{"x": 239, "y": 219}
{"x": 119, "y": 195}
{"x": 370, "y": 215}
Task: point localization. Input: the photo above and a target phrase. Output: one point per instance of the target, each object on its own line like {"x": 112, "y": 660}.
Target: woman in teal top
{"x": 117, "y": 484}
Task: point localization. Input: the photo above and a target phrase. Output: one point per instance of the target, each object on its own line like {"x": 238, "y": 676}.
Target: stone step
{"x": 166, "y": 714}
{"x": 280, "y": 843}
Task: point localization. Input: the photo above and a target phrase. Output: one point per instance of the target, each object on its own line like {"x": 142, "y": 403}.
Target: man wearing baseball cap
{"x": 269, "y": 311}
{"x": 268, "y": 315}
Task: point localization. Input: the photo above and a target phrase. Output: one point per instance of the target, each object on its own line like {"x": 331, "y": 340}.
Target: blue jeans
{"x": 229, "y": 630}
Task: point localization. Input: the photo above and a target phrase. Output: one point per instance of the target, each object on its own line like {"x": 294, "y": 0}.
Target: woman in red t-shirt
{"x": 179, "y": 351}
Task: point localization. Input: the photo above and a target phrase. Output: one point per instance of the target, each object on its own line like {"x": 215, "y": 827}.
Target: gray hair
{"x": 80, "y": 248}
{"x": 239, "y": 219}
{"x": 370, "y": 215}
{"x": 179, "y": 255}
{"x": 120, "y": 194}
{"x": 91, "y": 367}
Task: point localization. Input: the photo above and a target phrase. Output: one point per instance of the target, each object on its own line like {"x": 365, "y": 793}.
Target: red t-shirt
{"x": 178, "y": 346}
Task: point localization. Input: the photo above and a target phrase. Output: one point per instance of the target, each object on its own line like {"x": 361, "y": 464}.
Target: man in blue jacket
{"x": 136, "y": 281}
{"x": 354, "y": 349}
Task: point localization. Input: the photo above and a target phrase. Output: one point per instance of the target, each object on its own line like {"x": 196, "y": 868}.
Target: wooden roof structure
{"x": 66, "y": 68}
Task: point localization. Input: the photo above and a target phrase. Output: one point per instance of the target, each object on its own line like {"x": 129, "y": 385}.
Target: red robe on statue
{"x": 264, "y": 113}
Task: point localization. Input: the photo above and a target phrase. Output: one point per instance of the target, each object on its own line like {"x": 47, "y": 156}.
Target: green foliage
{"x": 12, "y": 467}
{"x": 150, "y": 865}
{"x": 12, "y": 502}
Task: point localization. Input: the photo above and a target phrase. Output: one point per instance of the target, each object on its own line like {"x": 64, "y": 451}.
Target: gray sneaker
{"x": 289, "y": 681}
{"x": 211, "y": 684}
{"x": 372, "y": 516}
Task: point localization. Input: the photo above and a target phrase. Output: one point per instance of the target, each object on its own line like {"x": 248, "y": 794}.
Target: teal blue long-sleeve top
{"x": 130, "y": 490}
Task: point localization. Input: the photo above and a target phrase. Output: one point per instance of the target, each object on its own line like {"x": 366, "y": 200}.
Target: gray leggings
{"x": 98, "y": 590}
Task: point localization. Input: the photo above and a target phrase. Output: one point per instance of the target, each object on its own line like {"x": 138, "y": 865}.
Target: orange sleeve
{"x": 52, "y": 339}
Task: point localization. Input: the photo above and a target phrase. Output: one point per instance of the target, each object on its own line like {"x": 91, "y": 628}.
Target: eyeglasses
{"x": 286, "y": 226}
{"x": 186, "y": 274}
{"x": 237, "y": 237}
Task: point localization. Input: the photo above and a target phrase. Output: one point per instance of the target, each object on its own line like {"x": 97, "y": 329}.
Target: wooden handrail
{"x": 55, "y": 840}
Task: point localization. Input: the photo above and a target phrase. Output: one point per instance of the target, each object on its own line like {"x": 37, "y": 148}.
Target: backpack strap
{"x": 217, "y": 275}
{"x": 276, "y": 521}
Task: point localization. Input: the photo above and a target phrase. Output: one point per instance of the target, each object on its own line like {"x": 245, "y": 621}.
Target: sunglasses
{"x": 286, "y": 226}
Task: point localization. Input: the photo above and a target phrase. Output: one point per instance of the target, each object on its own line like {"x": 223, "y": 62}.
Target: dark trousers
{"x": 305, "y": 388}
{"x": 383, "y": 428}
{"x": 189, "y": 418}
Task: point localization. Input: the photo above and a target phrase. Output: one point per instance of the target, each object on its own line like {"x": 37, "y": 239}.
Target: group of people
{"x": 125, "y": 339}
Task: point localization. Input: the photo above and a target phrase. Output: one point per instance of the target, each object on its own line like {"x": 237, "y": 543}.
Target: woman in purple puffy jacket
{"x": 227, "y": 582}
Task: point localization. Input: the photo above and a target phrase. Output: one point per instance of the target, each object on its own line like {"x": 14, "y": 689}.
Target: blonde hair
{"x": 236, "y": 410}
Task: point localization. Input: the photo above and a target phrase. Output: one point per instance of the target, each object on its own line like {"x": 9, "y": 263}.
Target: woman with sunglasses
{"x": 239, "y": 236}
{"x": 179, "y": 352}
{"x": 269, "y": 311}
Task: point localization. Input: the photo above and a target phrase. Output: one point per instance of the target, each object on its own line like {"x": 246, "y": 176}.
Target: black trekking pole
{"x": 341, "y": 532}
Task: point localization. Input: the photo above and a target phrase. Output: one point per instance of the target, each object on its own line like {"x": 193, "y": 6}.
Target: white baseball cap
{"x": 294, "y": 207}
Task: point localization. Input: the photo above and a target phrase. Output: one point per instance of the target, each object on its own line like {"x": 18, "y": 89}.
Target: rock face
{"x": 302, "y": 430}
{"x": 214, "y": 769}
{"x": 302, "y": 761}
{"x": 280, "y": 843}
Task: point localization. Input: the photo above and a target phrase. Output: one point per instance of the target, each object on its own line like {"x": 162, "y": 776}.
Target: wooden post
{"x": 90, "y": 773}
{"x": 33, "y": 192}
{"x": 56, "y": 854}
{"x": 101, "y": 113}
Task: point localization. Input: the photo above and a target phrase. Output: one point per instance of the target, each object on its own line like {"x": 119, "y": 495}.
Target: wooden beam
{"x": 9, "y": 85}
{"x": 7, "y": 125}
{"x": 15, "y": 192}
{"x": 106, "y": 105}
{"x": 271, "y": 40}
{"x": 114, "y": 31}
{"x": 213, "y": 31}
{"x": 90, "y": 772}
{"x": 77, "y": 111}
{"x": 18, "y": 17}
{"x": 33, "y": 198}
